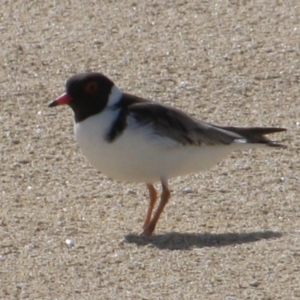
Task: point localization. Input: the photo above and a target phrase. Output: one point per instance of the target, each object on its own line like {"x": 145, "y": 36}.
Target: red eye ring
{"x": 91, "y": 87}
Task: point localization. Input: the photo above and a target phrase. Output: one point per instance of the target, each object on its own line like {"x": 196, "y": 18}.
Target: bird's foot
{"x": 148, "y": 231}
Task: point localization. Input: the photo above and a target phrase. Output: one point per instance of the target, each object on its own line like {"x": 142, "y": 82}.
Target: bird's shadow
{"x": 185, "y": 241}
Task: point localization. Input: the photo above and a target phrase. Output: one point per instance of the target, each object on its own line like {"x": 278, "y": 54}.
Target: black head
{"x": 87, "y": 94}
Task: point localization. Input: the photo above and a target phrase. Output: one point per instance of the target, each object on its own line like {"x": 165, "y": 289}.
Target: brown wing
{"x": 174, "y": 124}
{"x": 256, "y": 134}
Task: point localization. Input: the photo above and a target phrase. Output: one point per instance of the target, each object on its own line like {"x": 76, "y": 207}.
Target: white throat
{"x": 115, "y": 96}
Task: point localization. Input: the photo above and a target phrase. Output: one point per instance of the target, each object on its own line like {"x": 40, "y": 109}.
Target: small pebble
{"x": 188, "y": 190}
{"x": 30, "y": 247}
{"x": 70, "y": 242}
{"x": 254, "y": 283}
{"x": 130, "y": 192}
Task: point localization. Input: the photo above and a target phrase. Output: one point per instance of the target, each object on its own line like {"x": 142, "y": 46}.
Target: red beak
{"x": 61, "y": 100}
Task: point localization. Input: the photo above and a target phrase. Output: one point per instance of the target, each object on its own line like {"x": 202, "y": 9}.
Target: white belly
{"x": 138, "y": 155}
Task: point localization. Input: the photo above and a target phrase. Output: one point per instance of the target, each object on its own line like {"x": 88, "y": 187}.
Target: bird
{"x": 132, "y": 139}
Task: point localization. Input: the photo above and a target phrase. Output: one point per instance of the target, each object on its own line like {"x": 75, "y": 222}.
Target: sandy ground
{"x": 230, "y": 233}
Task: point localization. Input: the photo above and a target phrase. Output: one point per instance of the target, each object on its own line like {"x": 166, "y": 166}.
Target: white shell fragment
{"x": 70, "y": 242}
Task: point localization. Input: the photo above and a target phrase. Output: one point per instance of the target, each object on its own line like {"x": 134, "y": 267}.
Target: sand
{"x": 230, "y": 233}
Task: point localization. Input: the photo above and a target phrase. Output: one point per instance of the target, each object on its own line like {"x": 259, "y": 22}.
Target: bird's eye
{"x": 91, "y": 87}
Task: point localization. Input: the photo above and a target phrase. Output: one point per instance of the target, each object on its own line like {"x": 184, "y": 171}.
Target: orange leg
{"x": 165, "y": 196}
{"x": 153, "y": 198}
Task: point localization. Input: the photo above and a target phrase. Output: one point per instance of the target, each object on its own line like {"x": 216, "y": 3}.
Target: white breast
{"x": 138, "y": 155}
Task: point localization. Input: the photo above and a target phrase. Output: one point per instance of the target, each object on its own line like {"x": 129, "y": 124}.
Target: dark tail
{"x": 256, "y": 135}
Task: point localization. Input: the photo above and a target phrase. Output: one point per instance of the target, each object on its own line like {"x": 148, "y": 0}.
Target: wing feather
{"x": 177, "y": 125}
